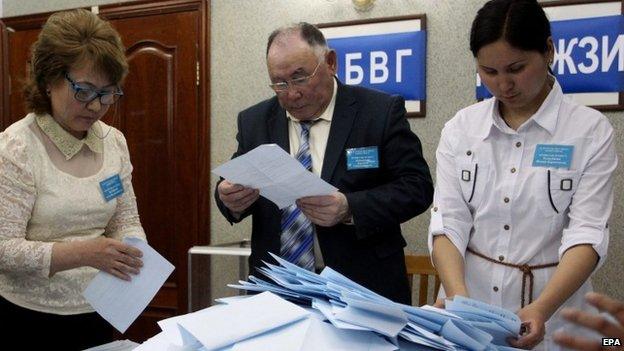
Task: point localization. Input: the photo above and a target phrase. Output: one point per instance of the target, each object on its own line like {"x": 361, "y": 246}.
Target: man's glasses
{"x": 281, "y": 87}
{"x": 87, "y": 94}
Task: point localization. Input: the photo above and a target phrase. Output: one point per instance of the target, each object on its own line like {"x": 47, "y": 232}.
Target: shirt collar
{"x": 329, "y": 110}
{"x": 546, "y": 116}
{"x": 68, "y": 144}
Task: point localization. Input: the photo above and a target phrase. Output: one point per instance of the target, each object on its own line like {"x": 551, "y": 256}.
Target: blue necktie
{"x": 297, "y": 239}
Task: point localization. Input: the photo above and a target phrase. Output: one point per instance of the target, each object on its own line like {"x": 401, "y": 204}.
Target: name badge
{"x": 111, "y": 187}
{"x": 362, "y": 158}
{"x": 550, "y": 155}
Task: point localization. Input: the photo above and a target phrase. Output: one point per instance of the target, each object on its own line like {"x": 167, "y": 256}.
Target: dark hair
{"x": 521, "y": 23}
{"x": 312, "y": 35}
{"x": 67, "y": 39}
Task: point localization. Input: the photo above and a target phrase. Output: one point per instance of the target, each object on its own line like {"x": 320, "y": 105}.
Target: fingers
{"x": 123, "y": 260}
{"x": 316, "y": 201}
{"x": 607, "y": 304}
{"x": 317, "y": 218}
{"x": 119, "y": 274}
{"x": 237, "y": 197}
{"x": 439, "y": 303}
{"x": 575, "y": 342}
{"x": 591, "y": 321}
{"x": 327, "y": 210}
{"x": 535, "y": 334}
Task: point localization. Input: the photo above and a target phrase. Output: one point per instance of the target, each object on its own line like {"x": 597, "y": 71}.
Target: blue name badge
{"x": 362, "y": 158}
{"x": 111, "y": 187}
{"x": 550, "y": 155}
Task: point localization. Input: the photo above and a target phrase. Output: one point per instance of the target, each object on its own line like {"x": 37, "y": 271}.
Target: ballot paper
{"x": 228, "y": 324}
{"x": 347, "y": 317}
{"x": 120, "y": 302}
{"x": 279, "y": 177}
{"x": 117, "y": 345}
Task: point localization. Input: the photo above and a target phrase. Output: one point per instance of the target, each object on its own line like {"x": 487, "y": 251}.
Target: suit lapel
{"x": 278, "y": 128}
{"x": 342, "y": 121}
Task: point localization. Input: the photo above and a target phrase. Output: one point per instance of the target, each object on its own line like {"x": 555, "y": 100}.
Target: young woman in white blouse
{"x": 524, "y": 181}
{"x": 66, "y": 197}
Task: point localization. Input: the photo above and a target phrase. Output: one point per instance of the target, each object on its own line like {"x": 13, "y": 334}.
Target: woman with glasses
{"x": 66, "y": 197}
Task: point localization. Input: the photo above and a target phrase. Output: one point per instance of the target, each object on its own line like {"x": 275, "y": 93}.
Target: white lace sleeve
{"x": 125, "y": 221}
{"x": 18, "y": 255}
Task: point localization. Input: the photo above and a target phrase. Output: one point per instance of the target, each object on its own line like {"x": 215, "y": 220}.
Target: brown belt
{"x": 527, "y": 271}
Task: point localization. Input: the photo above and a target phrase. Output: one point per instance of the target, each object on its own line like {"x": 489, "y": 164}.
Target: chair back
{"x": 421, "y": 266}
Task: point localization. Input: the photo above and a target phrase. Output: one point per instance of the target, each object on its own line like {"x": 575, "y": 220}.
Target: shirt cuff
{"x": 598, "y": 240}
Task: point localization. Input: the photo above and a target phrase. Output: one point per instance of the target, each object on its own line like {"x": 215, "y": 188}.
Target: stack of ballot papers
{"x": 298, "y": 310}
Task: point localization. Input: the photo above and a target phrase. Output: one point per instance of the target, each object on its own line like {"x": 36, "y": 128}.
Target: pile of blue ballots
{"x": 465, "y": 324}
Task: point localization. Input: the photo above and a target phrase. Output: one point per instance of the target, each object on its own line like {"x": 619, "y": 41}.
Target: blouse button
{"x": 495, "y": 288}
{"x": 506, "y": 199}
{"x": 506, "y": 227}
{"x": 518, "y": 144}
{"x": 468, "y": 152}
{"x": 513, "y": 170}
{"x": 501, "y": 258}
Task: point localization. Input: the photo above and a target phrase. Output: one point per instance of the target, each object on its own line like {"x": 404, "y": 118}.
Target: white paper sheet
{"x": 279, "y": 177}
{"x": 218, "y": 328}
{"x": 120, "y": 302}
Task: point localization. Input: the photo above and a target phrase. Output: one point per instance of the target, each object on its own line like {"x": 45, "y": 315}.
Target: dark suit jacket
{"x": 371, "y": 251}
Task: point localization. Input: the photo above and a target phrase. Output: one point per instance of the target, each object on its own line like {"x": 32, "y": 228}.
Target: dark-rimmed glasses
{"x": 88, "y": 94}
{"x": 281, "y": 87}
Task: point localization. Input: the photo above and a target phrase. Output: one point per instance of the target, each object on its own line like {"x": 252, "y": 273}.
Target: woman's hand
{"x": 113, "y": 257}
{"x": 106, "y": 254}
{"x": 533, "y": 327}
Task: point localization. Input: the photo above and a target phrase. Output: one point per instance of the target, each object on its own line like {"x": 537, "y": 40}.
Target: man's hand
{"x": 326, "y": 210}
{"x": 608, "y": 328}
{"x": 533, "y": 323}
{"x": 236, "y": 197}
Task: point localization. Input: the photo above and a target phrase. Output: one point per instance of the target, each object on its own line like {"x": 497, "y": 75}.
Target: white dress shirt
{"x": 317, "y": 139}
{"x": 489, "y": 196}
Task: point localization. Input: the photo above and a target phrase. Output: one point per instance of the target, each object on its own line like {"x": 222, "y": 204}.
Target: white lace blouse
{"x": 40, "y": 204}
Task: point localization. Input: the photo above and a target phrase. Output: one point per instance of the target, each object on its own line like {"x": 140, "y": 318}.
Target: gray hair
{"x": 310, "y": 33}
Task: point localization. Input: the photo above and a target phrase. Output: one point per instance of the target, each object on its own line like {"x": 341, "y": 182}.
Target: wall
{"x": 238, "y": 77}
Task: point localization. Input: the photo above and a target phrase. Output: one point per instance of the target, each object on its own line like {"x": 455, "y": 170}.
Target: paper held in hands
{"x": 120, "y": 302}
{"x": 279, "y": 177}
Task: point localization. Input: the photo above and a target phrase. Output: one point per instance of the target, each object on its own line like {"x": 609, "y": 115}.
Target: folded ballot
{"x": 279, "y": 177}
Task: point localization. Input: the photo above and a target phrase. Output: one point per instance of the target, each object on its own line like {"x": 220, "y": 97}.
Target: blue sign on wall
{"x": 589, "y": 55}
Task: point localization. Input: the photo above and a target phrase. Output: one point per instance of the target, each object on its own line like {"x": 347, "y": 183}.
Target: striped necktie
{"x": 297, "y": 239}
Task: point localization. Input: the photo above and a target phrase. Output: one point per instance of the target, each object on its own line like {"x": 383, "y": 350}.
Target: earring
{"x": 48, "y": 92}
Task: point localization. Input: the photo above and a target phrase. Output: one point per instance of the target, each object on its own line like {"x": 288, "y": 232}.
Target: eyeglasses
{"x": 87, "y": 94}
{"x": 282, "y": 87}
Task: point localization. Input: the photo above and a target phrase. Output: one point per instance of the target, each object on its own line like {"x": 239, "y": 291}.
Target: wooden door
{"x": 164, "y": 116}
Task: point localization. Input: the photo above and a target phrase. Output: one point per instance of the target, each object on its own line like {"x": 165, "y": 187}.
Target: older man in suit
{"x": 358, "y": 140}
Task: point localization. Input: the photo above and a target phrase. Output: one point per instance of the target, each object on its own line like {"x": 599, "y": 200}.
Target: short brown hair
{"x": 67, "y": 39}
